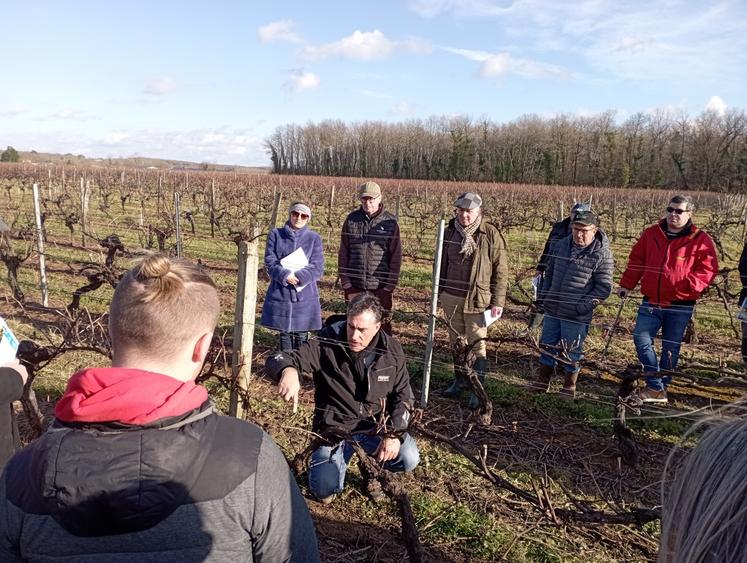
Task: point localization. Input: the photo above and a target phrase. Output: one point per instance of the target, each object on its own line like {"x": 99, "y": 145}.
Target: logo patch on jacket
{"x": 381, "y": 378}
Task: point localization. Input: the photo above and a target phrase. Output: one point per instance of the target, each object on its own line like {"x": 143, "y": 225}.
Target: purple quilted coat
{"x": 286, "y": 309}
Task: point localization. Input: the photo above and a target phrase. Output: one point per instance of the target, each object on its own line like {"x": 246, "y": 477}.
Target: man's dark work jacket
{"x": 348, "y": 391}
{"x": 186, "y": 488}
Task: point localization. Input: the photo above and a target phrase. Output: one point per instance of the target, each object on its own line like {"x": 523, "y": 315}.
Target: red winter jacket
{"x": 671, "y": 270}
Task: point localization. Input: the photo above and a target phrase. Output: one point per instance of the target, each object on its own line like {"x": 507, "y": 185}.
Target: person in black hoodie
{"x": 138, "y": 466}
{"x": 12, "y": 378}
{"x": 361, "y": 392}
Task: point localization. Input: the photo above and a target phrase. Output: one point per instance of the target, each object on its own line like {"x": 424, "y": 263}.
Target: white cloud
{"x": 301, "y": 80}
{"x": 115, "y": 137}
{"x": 495, "y": 65}
{"x": 716, "y": 104}
{"x": 69, "y": 114}
{"x": 279, "y": 31}
{"x": 415, "y": 45}
{"x": 12, "y": 110}
{"x": 159, "y": 86}
{"x": 646, "y": 40}
{"x": 403, "y": 109}
{"x": 429, "y": 8}
{"x": 361, "y": 45}
{"x": 366, "y": 46}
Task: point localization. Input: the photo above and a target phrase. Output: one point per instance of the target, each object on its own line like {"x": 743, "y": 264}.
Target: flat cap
{"x": 468, "y": 200}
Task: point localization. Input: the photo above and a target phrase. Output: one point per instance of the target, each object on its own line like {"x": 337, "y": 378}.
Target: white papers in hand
{"x": 294, "y": 262}
{"x": 8, "y": 343}
{"x": 488, "y": 317}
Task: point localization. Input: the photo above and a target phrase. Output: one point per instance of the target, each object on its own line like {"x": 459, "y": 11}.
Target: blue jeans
{"x": 672, "y": 321}
{"x": 330, "y": 463}
{"x": 554, "y": 332}
{"x": 290, "y": 341}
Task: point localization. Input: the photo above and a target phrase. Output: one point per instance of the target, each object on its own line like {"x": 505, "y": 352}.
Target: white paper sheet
{"x": 8, "y": 343}
{"x": 488, "y": 317}
{"x": 294, "y": 262}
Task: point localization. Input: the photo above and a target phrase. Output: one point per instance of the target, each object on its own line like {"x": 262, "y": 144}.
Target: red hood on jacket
{"x": 130, "y": 396}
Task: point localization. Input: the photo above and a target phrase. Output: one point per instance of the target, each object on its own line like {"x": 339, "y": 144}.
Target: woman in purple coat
{"x": 295, "y": 262}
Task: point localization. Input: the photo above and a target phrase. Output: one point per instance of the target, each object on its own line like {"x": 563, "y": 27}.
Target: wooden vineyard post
{"x": 432, "y": 318}
{"x": 212, "y": 209}
{"x": 330, "y": 204}
{"x": 561, "y": 211}
{"x": 85, "y": 193}
{"x": 275, "y": 208}
{"x": 40, "y": 247}
{"x": 243, "y": 327}
{"x": 177, "y": 223}
{"x": 614, "y": 217}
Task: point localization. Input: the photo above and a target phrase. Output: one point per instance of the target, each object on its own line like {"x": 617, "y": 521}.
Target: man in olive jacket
{"x": 473, "y": 280}
{"x": 361, "y": 391}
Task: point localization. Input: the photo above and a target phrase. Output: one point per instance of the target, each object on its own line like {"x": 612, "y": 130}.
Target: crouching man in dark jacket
{"x": 361, "y": 390}
{"x": 137, "y": 465}
{"x": 578, "y": 277}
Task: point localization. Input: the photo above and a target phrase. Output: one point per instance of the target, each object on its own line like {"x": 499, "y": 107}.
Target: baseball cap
{"x": 586, "y": 217}
{"x": 369, "y": 189}
{"x": 468, "y": 200}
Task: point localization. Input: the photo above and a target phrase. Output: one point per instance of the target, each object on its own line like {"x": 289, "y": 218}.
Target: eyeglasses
{"x": 301, "y": 215}
{"x": 675, "y": 210}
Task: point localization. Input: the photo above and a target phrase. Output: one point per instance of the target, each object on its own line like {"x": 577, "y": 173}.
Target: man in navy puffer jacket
{"x": 578, "y": 277}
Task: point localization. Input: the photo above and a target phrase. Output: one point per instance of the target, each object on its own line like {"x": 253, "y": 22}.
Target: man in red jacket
{"x": 675, "y": 262}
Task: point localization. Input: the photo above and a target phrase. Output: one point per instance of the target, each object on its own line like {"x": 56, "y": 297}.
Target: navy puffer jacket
{"x": 574, "y": 286}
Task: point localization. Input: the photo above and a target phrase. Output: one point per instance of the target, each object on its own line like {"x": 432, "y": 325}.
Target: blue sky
{"x": 208, "y": 82}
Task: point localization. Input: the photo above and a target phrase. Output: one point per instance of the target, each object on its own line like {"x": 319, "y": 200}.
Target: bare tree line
{"x": 658, "y": 149}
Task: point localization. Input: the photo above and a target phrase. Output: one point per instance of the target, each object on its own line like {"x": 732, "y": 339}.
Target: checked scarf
{"x": 468, "y": 242}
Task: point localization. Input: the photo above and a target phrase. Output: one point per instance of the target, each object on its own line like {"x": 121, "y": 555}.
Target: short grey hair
{"x": 705, "y": 506}
{"x": 686, "y": 199}
{"x": 365, "y": 302}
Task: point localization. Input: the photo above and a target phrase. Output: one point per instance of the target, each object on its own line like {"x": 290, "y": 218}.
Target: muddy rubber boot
{"x": 455, "y": 390}
{"x": 569, "y": 386}
{"x": 542, "y": 382}
{"x": 481, "y": 367}
{"x": 744, "y": 350}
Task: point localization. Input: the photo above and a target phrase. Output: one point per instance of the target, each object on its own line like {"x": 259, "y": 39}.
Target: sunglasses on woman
{"x": 298, "y": 214}
{"x": 675, "y": 210}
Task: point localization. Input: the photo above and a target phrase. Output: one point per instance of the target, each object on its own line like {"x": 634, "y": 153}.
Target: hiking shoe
{"x": 374, "y": 490}
{"x": 327, "y": 500}
{"x": 653, "y": 396}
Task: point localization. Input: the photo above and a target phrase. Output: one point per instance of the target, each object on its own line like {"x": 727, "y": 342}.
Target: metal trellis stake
{"x": 432, "y": 317}
{"x": 177, "y": 223}
{"x": 40, "y": 248}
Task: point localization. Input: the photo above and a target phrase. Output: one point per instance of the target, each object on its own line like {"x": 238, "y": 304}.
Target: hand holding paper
{"x": 294, "y": 262}
{"x": 491, "y": 315}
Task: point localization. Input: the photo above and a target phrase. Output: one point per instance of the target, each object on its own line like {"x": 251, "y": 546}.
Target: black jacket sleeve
{"x": 559, "y": 230}
{"x": 11, "y": 385}
{"x": 401, "y": 399}
{"x": 743, "y": 274}
{"x": 306, "y": 359}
